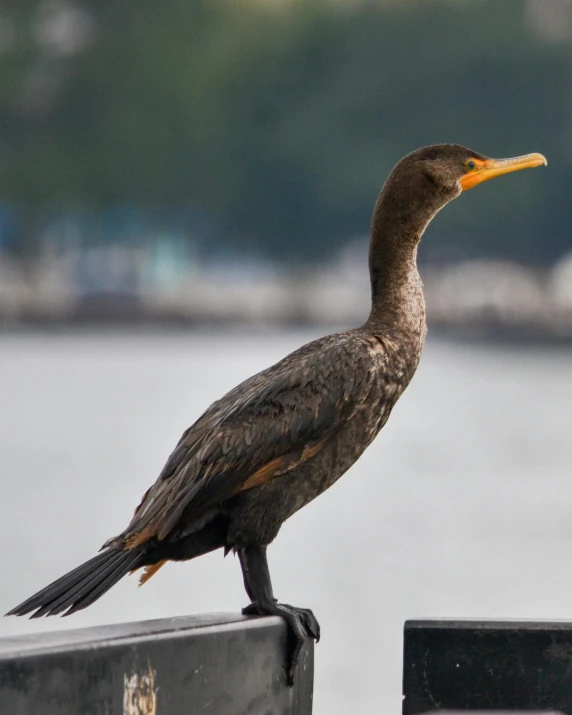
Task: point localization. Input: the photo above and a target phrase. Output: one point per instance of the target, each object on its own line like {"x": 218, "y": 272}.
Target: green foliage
{"x": 282, "y": 119}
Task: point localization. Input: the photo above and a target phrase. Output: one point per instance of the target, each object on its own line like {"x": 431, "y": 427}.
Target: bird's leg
{"x": 301, "y": 622}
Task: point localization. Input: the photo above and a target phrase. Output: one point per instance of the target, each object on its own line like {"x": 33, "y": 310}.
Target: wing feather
{"x": 260, "y": 430}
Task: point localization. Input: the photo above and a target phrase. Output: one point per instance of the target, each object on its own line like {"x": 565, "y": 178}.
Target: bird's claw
{"x": 302, "y": 624}
{"x": 310, "y": 621}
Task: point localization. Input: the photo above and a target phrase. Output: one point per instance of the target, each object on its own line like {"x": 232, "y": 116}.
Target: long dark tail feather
{"x": 82, "y": 586}
{"x": 85, "y": 584}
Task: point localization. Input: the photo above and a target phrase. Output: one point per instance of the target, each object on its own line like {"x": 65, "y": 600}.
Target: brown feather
{"x": 149, "y": 571}
{"x": 280, "y": 465}
{"x": 262, "y": 475}
{"x": 140, "y": 538}
{"x": 310, "y": 450}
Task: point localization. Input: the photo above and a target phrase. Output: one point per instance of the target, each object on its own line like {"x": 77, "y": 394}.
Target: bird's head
{"x": 419, "y": 186}
{"x": 424, "y": 181}
{"x": 442, "y": 171}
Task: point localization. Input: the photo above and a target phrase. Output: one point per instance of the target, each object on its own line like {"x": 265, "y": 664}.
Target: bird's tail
{"x": 82, "y": 586}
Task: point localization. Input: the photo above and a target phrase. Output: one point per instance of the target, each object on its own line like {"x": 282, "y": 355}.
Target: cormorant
{"x": 283, "y": 436}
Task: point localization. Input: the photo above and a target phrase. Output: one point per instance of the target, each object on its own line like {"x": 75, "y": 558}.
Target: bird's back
{"x": 351, "y": 381}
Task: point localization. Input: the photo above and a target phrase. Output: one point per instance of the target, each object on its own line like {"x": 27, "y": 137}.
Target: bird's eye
{"x": 471, "y": 165}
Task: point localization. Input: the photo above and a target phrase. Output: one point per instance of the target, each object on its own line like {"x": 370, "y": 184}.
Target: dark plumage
{"x": 283, "y": 436}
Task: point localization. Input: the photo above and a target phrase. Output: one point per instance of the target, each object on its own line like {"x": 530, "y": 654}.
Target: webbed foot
{"x": 302, "y": 624}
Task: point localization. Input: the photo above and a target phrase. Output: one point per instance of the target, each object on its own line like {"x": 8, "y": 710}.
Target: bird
{"x": 285, "y": 435}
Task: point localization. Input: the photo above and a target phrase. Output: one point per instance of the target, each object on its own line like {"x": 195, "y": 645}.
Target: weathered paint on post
{"x": 203, "y": 665}
{"x": 139, "y": 693}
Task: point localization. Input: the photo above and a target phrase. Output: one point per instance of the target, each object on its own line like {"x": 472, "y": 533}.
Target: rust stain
{"x": 139, "y": 693}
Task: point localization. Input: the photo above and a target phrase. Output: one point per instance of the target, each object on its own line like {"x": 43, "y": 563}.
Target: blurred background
{"x": 185, "y": 195}
{"x": 218, "y": 160}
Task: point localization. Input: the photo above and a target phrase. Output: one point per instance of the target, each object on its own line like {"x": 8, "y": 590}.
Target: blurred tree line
{"x": 281, "y": 119}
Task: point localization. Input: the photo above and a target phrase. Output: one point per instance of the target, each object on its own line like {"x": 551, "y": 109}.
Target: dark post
{"x": 203, "y": 665}
{"x": 462, "y": 666}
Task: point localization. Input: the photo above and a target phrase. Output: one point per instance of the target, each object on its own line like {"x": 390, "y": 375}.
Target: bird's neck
{"x": 396, "y": 290}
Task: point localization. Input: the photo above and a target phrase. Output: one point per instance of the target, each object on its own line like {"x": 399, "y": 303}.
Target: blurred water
{"x": 460, "y": 508}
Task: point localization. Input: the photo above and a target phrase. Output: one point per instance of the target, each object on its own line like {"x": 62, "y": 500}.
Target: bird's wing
{"x": 260, "y": 430}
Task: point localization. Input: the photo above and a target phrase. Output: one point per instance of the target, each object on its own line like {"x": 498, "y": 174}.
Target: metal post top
{"x": 79, "y": 638}
{"x": 221, "y": 663}
{"x": 476, "y": 624}
{"x": 516, "y": 666}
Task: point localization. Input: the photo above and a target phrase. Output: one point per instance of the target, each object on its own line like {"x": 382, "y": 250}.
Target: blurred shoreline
{"x": 151, "y": 181}
{"x": 115, "y": 286}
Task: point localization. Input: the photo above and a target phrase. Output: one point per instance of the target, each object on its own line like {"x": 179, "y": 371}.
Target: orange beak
{"x": 491, "y": 168}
